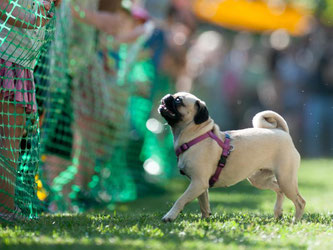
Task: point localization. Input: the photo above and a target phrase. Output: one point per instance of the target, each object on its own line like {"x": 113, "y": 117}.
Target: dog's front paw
{"x": 205, "y": 215}
{"x": 169, "y": 217}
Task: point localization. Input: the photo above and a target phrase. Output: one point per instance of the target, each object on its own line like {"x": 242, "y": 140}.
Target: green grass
{"x": 243, "y": 219}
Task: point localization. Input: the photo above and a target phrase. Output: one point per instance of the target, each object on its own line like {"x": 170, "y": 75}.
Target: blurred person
{"x": 178, "y": 32}
{"x": 290, "y": 71}
{"x": 205, "y": 60}
{"x": 17, "y": 97}
{"x": 117, "y": 24}
{"x": 53, "y": 94}
{"x": 183, "y": 13}
{"x": 318, "y": 108}
{"x": 96, "y": 139}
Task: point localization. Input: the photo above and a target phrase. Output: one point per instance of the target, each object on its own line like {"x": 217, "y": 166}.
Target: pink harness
{"x": 225, "y": 152}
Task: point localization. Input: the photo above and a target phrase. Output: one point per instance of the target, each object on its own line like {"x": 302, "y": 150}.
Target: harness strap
{"x": 222, "y": 161}
{"x": 224, "y": 145}
{"x": 225, "y": 152}
{"x": 189, "y": 144}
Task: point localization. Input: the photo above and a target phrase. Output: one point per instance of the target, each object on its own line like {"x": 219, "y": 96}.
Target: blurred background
{"x": 245, "y": 56}
{"x": 240, "y": 56}
{"x": 102, "y": 140}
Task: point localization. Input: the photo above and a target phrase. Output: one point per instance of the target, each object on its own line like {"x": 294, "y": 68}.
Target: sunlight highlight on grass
{"x": 242, "y": 219}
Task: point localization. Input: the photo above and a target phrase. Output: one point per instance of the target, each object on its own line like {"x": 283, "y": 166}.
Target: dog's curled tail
{"x": 269, "y": 119}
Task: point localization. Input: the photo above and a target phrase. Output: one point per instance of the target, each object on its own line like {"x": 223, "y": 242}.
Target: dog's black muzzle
{"x": 168, "y": 109}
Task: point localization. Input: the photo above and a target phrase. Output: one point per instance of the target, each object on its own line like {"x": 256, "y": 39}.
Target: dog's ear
{"x": 202, "y": 113}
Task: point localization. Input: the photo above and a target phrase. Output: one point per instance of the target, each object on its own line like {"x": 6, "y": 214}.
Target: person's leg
{"x": 329, "y": 121}
{"x": 313, "y": 127}
{"x": 12, "y": 119}
{"x": 84, "y": 152}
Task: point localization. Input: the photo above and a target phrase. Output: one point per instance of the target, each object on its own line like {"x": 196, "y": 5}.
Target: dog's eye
{"x": 178, "y": 100}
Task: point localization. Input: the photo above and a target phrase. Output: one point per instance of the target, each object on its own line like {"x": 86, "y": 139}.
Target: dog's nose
{"x": 167, "y": 97}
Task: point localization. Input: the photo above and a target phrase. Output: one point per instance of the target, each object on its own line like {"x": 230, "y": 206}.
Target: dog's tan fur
{"x": 264, "y": 154}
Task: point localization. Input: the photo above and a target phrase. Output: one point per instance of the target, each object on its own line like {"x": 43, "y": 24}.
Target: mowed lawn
{"x": 242, "y": 219}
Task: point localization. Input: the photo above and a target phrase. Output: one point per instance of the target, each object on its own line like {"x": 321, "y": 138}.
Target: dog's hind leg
{"x": 265, "y": 179}
{"x": 289, "y": 186}
{"x": 278, "y": 204}
{"x": 204, "y": 204}
{"x": 290, "y": 189}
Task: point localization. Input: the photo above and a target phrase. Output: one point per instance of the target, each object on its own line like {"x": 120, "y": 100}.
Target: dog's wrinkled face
{"x": 183, "y": 108}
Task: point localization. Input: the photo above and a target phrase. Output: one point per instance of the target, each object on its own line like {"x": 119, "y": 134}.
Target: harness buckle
{"x": 184, "y": 147}
{"x": 223, "y": 160}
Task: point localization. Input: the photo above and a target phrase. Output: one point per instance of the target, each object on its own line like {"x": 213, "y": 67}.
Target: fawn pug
{"x": 264, "y": 154}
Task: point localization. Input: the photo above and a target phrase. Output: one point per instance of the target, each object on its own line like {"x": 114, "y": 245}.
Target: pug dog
{"x": 264, "y": 154}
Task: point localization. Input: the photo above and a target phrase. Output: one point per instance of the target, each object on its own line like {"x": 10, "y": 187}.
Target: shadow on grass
{"x": 126, "y": 232}
{"x": 121, "y": 231}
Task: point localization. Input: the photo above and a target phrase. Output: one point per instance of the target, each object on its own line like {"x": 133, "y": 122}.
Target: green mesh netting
{"x": 25, "y": 29}
{"x": 77, "y": 127}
